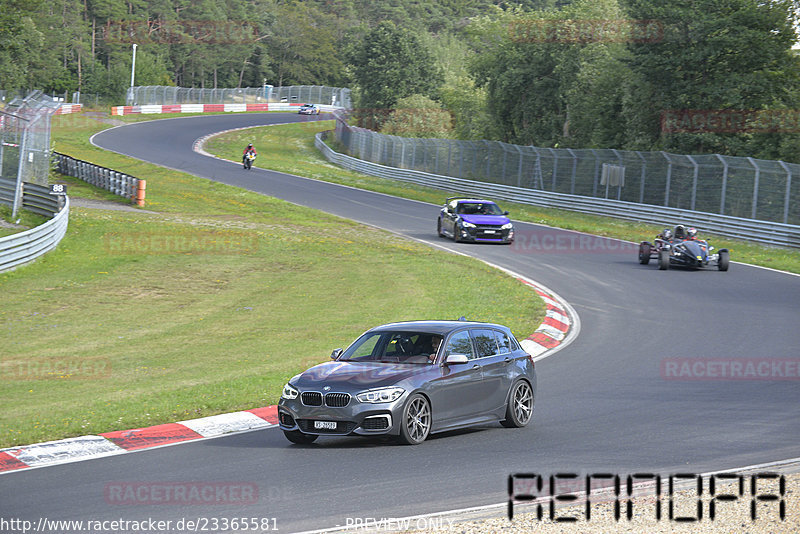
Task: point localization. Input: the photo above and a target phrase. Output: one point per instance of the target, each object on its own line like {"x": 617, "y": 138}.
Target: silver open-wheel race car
{"x": 681, "y": 247}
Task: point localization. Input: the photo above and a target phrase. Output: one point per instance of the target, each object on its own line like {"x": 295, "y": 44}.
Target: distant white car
{"x": 309, "y": 109}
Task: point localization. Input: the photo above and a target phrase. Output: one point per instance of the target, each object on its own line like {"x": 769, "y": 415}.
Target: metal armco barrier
{"x": 119, "y": 183}
{"x": 771, "y": 233}
{"x": 24, "y": 247}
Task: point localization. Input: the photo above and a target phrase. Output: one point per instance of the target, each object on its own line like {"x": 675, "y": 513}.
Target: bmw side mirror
{"x": 336, "y": 353}
{"x": 456, "y": 359}
{"x": 505, "y": 213}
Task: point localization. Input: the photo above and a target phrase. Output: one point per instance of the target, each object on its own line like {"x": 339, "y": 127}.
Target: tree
{"x": 419, "y": 116}
{"x": 550, "y": 80}
{"x": 732, "y": 55}
{"x": 390, "y": 64}
{"x": 20, "y": 42}
{"x": 302, "y": 47}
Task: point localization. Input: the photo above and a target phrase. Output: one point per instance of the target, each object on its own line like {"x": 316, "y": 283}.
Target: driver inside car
{"x": 425, "y": 349}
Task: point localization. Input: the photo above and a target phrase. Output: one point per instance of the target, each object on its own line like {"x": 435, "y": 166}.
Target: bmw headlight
{"x": 390, "y": 394}
{"x": 465, "y": 224}
{"x": 289, "y": 392}
{"x": 507, "y": 226}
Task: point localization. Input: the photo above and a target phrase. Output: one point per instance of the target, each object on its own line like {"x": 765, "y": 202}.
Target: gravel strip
{"x": 730, "y": 517}
{"x": 78, "y": 202}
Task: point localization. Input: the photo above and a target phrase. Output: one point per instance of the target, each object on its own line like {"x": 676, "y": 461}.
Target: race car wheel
{"x": 416, "y": 423}
{"x": 439, "y": 227}
{"x": 663, "y": 260}
{"x": 644, "y": 253}
{"x": 456, "y": 231}
{"x": 724, "y": 259}
{"x": 295, "y": 436}
{"x": 520, "y": 406}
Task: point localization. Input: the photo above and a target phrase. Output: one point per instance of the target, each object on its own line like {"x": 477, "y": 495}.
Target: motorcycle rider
{"x": 250, "y": 149}
{"x": 680, "y": 232}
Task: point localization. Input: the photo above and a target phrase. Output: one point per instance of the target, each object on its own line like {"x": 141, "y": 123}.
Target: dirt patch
{"x": 76, "y": 202}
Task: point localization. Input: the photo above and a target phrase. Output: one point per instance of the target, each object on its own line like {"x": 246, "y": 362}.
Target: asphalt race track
{"x": 604, "y": 403}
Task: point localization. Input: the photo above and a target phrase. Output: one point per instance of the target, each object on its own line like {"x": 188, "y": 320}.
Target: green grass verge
{"x": 290, "y": 148}
{"x": 208, "y": 305}
{"x": 26, "y": 218}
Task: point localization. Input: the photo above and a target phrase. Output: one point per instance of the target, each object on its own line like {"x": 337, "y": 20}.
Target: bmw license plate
{"x": 325, "y": 425}
{"x": 488, "y": 231}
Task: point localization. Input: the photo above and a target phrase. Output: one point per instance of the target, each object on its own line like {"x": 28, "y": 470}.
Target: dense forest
{"x": 686, "y": 76}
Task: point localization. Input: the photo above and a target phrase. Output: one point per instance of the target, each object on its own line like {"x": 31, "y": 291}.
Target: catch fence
{"x": 25, "y": 142}
{"x": 311, "y": 94}
{"x": 712, "y": 183}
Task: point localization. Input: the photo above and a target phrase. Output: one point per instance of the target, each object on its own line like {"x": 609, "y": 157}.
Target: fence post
{"x": 755, "y": 186}
{"x": 596, "y": 172}
{"x": 574, "y": 171}
{"x": 644, "y": 174}
{"x": 694, "y": 181}
{"x": 786, "y": 198}
{"x": 2, "y": 145}
{"x": 18, "y": 187}
{"x": 488, "y": 160}
{"x": 669, "y": 178}
{"x": 555, "y": 167}
{"x": 619, "y": 185}
{"x": 449, "y": 155}
{"x": 436, "y": 161}
{"x": 505, "y": 161}
{"x": 519, "y": 167}
{"x": 724, "y": 184}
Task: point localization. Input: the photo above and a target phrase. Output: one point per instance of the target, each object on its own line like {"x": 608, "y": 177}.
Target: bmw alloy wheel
{"x": 416, "y": 424}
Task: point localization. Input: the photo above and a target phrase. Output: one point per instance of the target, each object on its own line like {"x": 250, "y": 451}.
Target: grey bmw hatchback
{"x": 412, "y": 379}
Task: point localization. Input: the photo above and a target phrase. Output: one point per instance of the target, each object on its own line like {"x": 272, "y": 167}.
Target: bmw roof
{"x": 435, "y": 326}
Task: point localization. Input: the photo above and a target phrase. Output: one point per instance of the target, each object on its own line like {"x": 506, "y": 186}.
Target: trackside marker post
{"x": 140, "y": 192}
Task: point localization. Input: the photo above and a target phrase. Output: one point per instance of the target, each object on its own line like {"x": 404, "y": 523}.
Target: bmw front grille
{"x": 333, "y": 400}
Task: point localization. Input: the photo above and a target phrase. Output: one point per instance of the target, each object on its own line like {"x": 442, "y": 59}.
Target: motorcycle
{"x": 247, "y": 160}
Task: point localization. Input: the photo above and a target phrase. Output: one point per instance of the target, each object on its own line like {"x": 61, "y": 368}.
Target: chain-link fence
{"x": 311, "y": 94}
{"x": 25, "y": 141}
{"x": 728, "y": 185}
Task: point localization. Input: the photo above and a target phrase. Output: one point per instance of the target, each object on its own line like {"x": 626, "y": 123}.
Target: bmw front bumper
{"x": 357, "y": 418}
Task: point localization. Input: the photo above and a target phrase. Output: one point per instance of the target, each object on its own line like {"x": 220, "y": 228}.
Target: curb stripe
{"x": 553, "y": 329}
{"x": 544, "y": 340}
{"x": 267, "y": 413}
{"x": 152, "y": 436}
{"x": 9, "y": 463}
{"x": 555, "y": 323}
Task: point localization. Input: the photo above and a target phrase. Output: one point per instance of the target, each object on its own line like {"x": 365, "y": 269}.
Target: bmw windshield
{"x": 394, "y": 347}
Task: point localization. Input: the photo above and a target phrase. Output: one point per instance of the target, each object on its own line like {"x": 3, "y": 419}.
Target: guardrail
{"x": 771, "y": 233}
{"x": 24, "y": 247}
{"x": 119, "y": 183}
